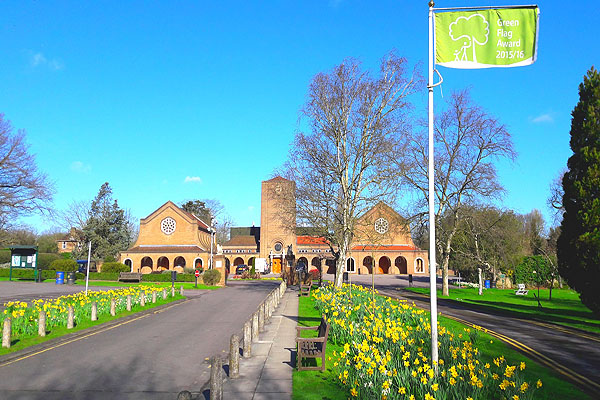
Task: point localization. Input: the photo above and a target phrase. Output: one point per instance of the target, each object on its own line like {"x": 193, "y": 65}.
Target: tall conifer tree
{"x": 579, "y": 241}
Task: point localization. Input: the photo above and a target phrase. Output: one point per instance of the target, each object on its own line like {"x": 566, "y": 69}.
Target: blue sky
{"x": 177, "y": 100}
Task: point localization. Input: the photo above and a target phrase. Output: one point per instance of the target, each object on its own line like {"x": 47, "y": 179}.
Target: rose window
{"x": 381, "y": 226}
{"x": 168, "y": 225}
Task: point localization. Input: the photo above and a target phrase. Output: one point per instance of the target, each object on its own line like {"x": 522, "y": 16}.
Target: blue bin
{"x": 60, "y": 277}
{"x": 487, "y": 284}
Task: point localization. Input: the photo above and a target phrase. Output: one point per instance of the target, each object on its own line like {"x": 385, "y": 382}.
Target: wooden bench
{"x": 312, "y": 347}
{"x": 305, "y": 289}
{"x": 130, "y": 277}
{"x": 521, "y": 291}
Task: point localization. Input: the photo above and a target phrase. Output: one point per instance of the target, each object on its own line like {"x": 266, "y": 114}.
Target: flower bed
{"x": 25, "y": 315}
{"x": 386, "y": 353}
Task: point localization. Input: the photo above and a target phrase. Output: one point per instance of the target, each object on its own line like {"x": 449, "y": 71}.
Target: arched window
{"x": 419, "y": 266}
{"x": 350, "y": 267}
{"x": 400, "y": 263}
{"x": 384, "y": 265}
{"x": 162, "y": 263}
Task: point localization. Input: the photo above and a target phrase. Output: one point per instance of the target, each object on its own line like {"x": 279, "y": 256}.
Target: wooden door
{"x": 277, "y": 265}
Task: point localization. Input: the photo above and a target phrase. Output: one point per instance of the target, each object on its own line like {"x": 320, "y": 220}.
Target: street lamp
{"x": 212, "y": 235}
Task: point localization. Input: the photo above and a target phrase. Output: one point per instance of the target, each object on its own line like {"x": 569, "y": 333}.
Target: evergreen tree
{"x": 107, "y": 226}
{"x": 579, "y": 241}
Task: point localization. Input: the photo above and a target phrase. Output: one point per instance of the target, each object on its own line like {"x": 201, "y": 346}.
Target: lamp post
{"x": 212, "y": 233}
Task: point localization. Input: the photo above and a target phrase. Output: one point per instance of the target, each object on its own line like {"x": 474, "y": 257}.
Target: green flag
{"x": 486, "y": 38}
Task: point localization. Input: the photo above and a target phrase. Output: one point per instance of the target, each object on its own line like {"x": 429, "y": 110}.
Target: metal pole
{"x": 87, "y": 275}
{"x": 211, "y": 242}
{"x": 432, "y": 263}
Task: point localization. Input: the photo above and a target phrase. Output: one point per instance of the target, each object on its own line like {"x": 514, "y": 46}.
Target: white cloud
{"x": 40, "y": 60}
{"x": 543, "y": 118}
{"x": 192, "y": 179}
{"x": 81, "y": 167}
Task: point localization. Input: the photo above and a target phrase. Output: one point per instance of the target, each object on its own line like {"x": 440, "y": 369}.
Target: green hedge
{"x": 115, "y": 267}
{"x": 63, "y": 265}
{"x": 167, "y": 278}
{"x": 4, "y": 256}
{"x": 27, "y": 273}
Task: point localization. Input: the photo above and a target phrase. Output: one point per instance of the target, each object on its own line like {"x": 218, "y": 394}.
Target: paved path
{"x": 268, "y": 373}
{"x": 575, "y": 355}
{"x": 153, "y": 357}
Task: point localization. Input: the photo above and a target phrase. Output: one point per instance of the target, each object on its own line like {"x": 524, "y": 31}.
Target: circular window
{"x": 278, "y": 246}
{"x": 168, "y": 225}
{"x": 381, "y": 225}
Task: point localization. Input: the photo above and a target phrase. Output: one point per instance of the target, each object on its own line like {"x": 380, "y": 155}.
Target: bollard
{"x": 70, "y": 318}
{"x": 6, "y": 328}
{"x": 128, "y": 302}
{"x": 164, "y": 294}
{"x": 255, "y": 326}
{"x": 42, "y": 324}
{"x": 184, "y": 395}
{"x": 216, "y": 381}
{"x": 94, "y": 311}
{"x": 172, "y": 291}
{"x": 143, "y": 299}
{"x": 113, "y": 307}
{"x": 153, "y": 297}
{"x": 261, "y": 318}
{"x": 181, "y": 290}
{"x": 247, "y": 339}
{"x": 234, "y": 357}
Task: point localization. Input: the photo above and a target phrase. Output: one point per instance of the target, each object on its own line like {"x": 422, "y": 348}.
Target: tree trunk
{"x": 480, "y": 281}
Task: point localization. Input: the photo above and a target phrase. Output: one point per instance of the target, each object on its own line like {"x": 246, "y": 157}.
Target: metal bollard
{"x": 70, "y": 318}
{"x": 255, "y": 326}
{"x": 42, "y": 324}
{"x": 128, "y": 302}
{"x": 6, "y": 330}
{"x": 94, "y": 311}
{"x": 113, "y": 307}
{"x": 234, "y": 357}
{"x": 247, "y": 339}
{"x": 216, "y": 381}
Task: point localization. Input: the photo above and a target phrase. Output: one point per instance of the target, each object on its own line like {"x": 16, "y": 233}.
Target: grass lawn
{"x": 186, "y": 285}
{"x": 325, "y": 385}
{"x": 55, "y": 332}
{"x": 564, "y": 309}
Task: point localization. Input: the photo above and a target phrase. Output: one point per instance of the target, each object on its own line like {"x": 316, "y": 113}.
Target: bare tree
{"x": 467, "y": 143}
{"x": 341, "y": 166}
{"x": 556, "y": 195}
{"x": 23, "y": 188}
{"x": 75, "y": 216}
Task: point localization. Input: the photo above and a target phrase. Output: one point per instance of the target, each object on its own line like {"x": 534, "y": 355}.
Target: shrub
{"x": 314, "y": 274}
{"x": 188, "y": 270}
{"x": 4, "y": 256}
{"x": 63, "y": 265}
{"x": 211, "y": 277}
{"x": 104, "y": 276}
{"x": 66, "y": 255}
{"x": 109, "y": 259}
{"x": 115, "y": 267}
{"x": 45, "y": 259}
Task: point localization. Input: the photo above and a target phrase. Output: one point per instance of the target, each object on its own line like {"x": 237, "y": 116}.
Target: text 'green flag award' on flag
{"x": 486, "y": 38}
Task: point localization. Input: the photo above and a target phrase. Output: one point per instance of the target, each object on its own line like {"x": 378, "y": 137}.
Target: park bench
{"x": 305, "y": 288}
{"x": 312, "y": 347}
{"x": 521, "y": 291}
{"x": 130, "y": 277}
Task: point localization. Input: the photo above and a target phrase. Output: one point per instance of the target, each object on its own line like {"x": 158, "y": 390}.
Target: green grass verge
{"x": 312, "y": 385}
{"x": 55, "y": 332}
{"x": 186, "y": 285}
{"x": 565, "y": 308}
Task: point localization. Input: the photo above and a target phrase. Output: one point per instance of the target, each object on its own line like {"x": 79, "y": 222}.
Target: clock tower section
{"x": 277, "y": 220}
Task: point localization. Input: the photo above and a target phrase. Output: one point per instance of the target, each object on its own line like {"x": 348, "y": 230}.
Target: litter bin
{"x": 60, "y": 277}
{"x": 487, "y": 283}
{"x": 409, "y": 279}
{"x": 71, "y": 278}
{"x": 345, "y": 277}
{"x": 493, "y": 284}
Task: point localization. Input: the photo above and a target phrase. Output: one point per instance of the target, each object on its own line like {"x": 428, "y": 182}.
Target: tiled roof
{"x": 166, "y": 249}
{"x": 278, "y": 179}
{"x": 391, "y": 247}
{"x": 241, "y": 240}
{"x": 311, "y": 240}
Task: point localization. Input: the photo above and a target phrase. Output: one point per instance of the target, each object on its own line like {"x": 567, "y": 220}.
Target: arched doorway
{"x": 315, "y": 263}
{"x": 128, "y": 262}
{"x": 368, "y": 263}
{"x": 384, "y": 265}
{"x": 238, "y": 261}
{"x": 162, "y": 264}
{"x": 304, "y": 260}
{"x": 330, "y": 266}
{"x": 198, "y": 263}
{"x": 251, "y": 262}
{"x": 227, "y": 265}
{"x": 179, "y": 262}
{"x": 350, "y": 267}
{"x": 146, "y": 265}
{"x": 400, "y": 263}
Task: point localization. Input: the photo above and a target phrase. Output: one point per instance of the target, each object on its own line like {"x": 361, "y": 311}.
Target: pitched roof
{"x": 166, "y": 249}
{"x": 241, "y": 240}
{"x": 311, "y": 240}
{"x": 278, "y": 179}
{"x": 201, "y": 224}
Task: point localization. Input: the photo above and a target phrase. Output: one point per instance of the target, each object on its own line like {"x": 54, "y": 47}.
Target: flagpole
{"x": 432, "y": 263}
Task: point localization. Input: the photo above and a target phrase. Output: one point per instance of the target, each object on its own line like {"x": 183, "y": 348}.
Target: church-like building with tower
{"x": 171, "y": 238}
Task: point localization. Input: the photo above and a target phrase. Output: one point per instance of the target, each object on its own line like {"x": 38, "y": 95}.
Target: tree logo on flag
{"x": 474, "y": 29}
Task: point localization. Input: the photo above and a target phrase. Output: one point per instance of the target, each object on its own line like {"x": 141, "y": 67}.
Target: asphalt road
{"x": 575, "y": 355}
{"x": 153, "y": 357}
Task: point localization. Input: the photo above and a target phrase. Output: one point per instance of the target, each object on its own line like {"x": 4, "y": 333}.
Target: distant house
{"x": 70, "y": 241}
